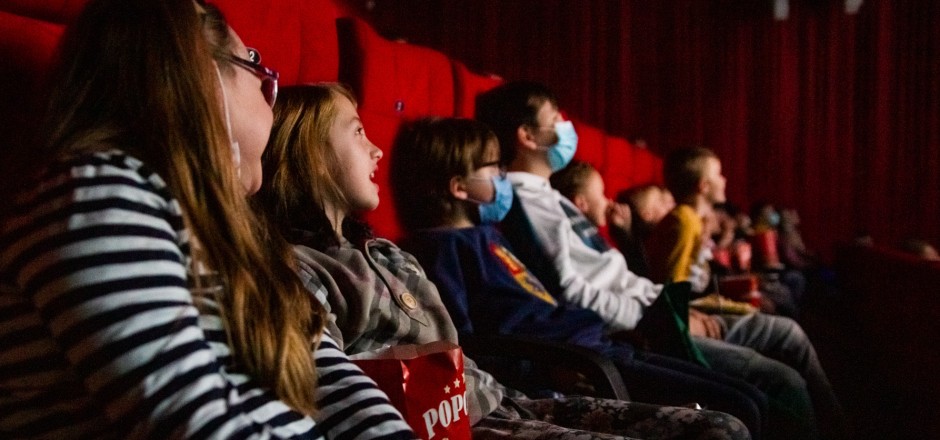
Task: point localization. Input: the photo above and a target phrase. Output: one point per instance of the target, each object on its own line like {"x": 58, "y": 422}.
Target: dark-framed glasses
{"x": 268, "y": 76}
{"x": 502, "y": 169}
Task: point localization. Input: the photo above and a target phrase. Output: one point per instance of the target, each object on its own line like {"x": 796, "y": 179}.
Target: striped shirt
{"x": 100, "y": 337}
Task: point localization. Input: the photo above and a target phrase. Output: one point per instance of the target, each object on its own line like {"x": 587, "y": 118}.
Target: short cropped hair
{"x": 570, "y": 180}
{"x": 507, "y": 107}
{"x": 637, "y": 196}
{"x": 684, "y": 169}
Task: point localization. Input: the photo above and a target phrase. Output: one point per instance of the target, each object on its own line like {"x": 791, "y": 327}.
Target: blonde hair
{"x": 301, "y": 164}
{"x": 572, "y": 180}
{"x": 149, "y": 86}
{"x": 684, "y": 169}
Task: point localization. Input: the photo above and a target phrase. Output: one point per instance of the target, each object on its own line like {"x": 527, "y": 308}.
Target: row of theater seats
{"x": 309, "y": 41}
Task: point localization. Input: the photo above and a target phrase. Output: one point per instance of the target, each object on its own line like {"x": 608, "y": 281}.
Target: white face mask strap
{"x": 236, "y": 151}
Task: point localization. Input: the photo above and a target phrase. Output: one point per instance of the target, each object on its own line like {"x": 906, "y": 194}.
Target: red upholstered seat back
{"x": 897, "y": 294}
{"x": 648, "y": 167}
{"x": 306, "y": 41}
{"x": 272, "y": 28}
{"x": 619, "y": 161}
{"x": 467, "y": 85}
{"x": 394, "y": 78}
{"x": 27, "y": 47}
{"x": 592, "y": 143}
{"x": 53, "y": 11}
{"x": 295, "y": 37}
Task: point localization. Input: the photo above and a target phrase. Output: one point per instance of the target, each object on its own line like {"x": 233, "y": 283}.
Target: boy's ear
{"x": 703, "y": 185}
{"x": 581, "y": 202}
{"x": 458, "y": 188}
{"x": 525, "y": 138}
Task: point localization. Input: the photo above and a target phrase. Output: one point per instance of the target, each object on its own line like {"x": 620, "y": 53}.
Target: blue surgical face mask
{"x": 494, "y": 211}
{"x": 773, "y": 219}
{"x": 561, "y": 153}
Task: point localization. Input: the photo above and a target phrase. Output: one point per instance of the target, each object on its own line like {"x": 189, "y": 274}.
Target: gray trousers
{"x": 774, "y": 354}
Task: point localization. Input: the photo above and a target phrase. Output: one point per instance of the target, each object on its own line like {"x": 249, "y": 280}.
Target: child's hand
{"x": 618, "y": 214}
{"x": 701, "y": 324}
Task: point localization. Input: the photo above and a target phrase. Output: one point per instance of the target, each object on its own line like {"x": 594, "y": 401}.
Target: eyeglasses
{"x": 268, "y": 76}
{"x": 539, "y": 127}
{"x": 502, "y": 169}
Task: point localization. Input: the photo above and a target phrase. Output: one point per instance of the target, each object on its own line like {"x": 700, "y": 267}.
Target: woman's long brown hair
{"x": 140, "y": 75}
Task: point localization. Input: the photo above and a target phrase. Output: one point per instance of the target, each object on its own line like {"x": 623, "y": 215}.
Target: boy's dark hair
{"x": 684, "y": 168}
{"x": 429, "y": 152}
{"x": 509, "y": 106}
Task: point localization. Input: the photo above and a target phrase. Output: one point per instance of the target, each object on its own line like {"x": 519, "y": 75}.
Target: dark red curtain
{"x": 836, "y": 115}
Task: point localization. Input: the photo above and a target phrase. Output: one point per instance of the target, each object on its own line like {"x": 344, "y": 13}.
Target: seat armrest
{"x": 532, "y": 365}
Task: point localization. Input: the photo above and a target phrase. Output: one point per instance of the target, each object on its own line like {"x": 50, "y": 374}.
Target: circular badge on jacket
{"x": 409, "y": 300}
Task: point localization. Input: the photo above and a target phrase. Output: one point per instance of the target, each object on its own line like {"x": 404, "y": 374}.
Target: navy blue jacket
{"x": 487, "y": 290}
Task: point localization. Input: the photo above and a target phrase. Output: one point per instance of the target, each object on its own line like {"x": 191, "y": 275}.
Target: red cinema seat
{"x": 658, "y": 169}
{"x": 53, "y": 11}
{"x": 271, "y": 27}
{"x": 649, "y": 167}
{"x": 591, "y": 145}
{"x": 319, "y": 42}
{"x": 467, "y": 85}
{"x": 394, "y": 78}
{"x": 618, "y": 174}
{"x": 27, "y": 47}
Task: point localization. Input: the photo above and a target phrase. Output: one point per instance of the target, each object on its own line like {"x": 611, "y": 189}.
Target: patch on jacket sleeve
{"x": 522, "y": 275}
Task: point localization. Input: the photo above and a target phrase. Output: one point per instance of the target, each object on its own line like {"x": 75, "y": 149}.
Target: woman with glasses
{"x": 139, "y": 295}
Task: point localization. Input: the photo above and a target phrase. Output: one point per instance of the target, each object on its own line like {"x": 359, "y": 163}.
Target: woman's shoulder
{"x": 388, "y": 254}
{"x": 111, "y": 174}
{"x": 92, "y": 198}
{"x": 111, "y": 183}
{"x": 109, "y": 163}
{"x": 386, "y": 248}
{"x": 307, "y": 254}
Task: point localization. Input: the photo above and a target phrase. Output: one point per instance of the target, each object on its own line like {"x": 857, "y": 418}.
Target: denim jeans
{"x": 773, "y": 353}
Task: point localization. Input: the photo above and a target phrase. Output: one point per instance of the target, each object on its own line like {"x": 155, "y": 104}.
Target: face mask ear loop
{"x": 481, "y": 202}
{"x": 236, "y": 151}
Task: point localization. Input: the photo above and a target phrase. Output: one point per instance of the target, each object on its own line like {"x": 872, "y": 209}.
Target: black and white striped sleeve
{"x": 351, "y": 405}
{"x": 97, "y": 252}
